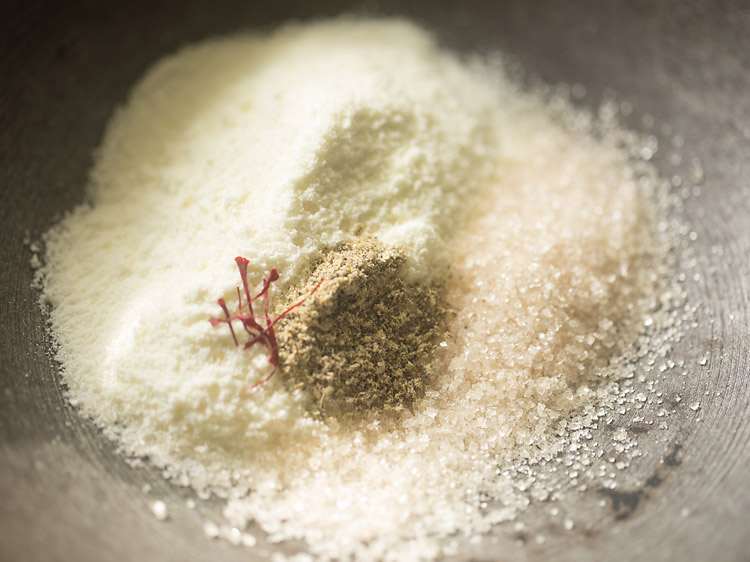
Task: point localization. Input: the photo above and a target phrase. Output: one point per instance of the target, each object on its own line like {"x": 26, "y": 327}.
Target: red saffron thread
{"x": 266, "y": 336}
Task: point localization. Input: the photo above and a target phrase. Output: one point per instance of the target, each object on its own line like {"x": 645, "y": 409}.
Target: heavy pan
{"x": 684, "y": 68}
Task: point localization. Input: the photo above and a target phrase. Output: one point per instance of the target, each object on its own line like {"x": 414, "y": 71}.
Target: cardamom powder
{"x": 364, "y": 339}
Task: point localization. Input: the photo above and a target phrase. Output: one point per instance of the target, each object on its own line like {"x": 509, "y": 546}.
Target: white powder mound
{"x": 273, "y": 147}
{"x": 266, "y": 147}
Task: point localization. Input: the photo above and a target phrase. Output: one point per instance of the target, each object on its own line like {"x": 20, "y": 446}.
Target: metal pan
{"x": 64, "y": 67}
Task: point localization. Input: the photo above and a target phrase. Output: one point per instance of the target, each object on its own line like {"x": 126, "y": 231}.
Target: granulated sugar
{"x": 550, "y": 223}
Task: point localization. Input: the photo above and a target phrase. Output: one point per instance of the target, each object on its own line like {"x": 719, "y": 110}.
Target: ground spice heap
{"x": 365, "y": 338}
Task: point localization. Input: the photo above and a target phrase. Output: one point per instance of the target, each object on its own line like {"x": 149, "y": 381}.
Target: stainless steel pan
{"x": 64, "y": 492}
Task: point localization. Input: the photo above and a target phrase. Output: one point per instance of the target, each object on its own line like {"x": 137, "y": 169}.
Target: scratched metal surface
{"x": 65, "y": 494}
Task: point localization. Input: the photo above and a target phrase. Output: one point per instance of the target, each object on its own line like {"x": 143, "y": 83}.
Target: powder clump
{"x": 364, "y": 339}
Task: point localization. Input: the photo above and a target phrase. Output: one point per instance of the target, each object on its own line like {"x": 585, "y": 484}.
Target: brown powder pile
{"x": 364, "y": 339}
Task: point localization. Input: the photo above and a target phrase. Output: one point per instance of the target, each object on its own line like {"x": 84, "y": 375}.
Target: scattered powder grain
{"x": 159, "y": 509}
{"x": 276, "y": 148}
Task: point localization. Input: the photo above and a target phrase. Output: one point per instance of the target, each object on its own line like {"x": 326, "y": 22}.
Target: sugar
{"x": 159, "y": 509}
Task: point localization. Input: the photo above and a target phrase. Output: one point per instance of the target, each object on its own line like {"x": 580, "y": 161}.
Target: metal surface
{"x": 66, "y": 495}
